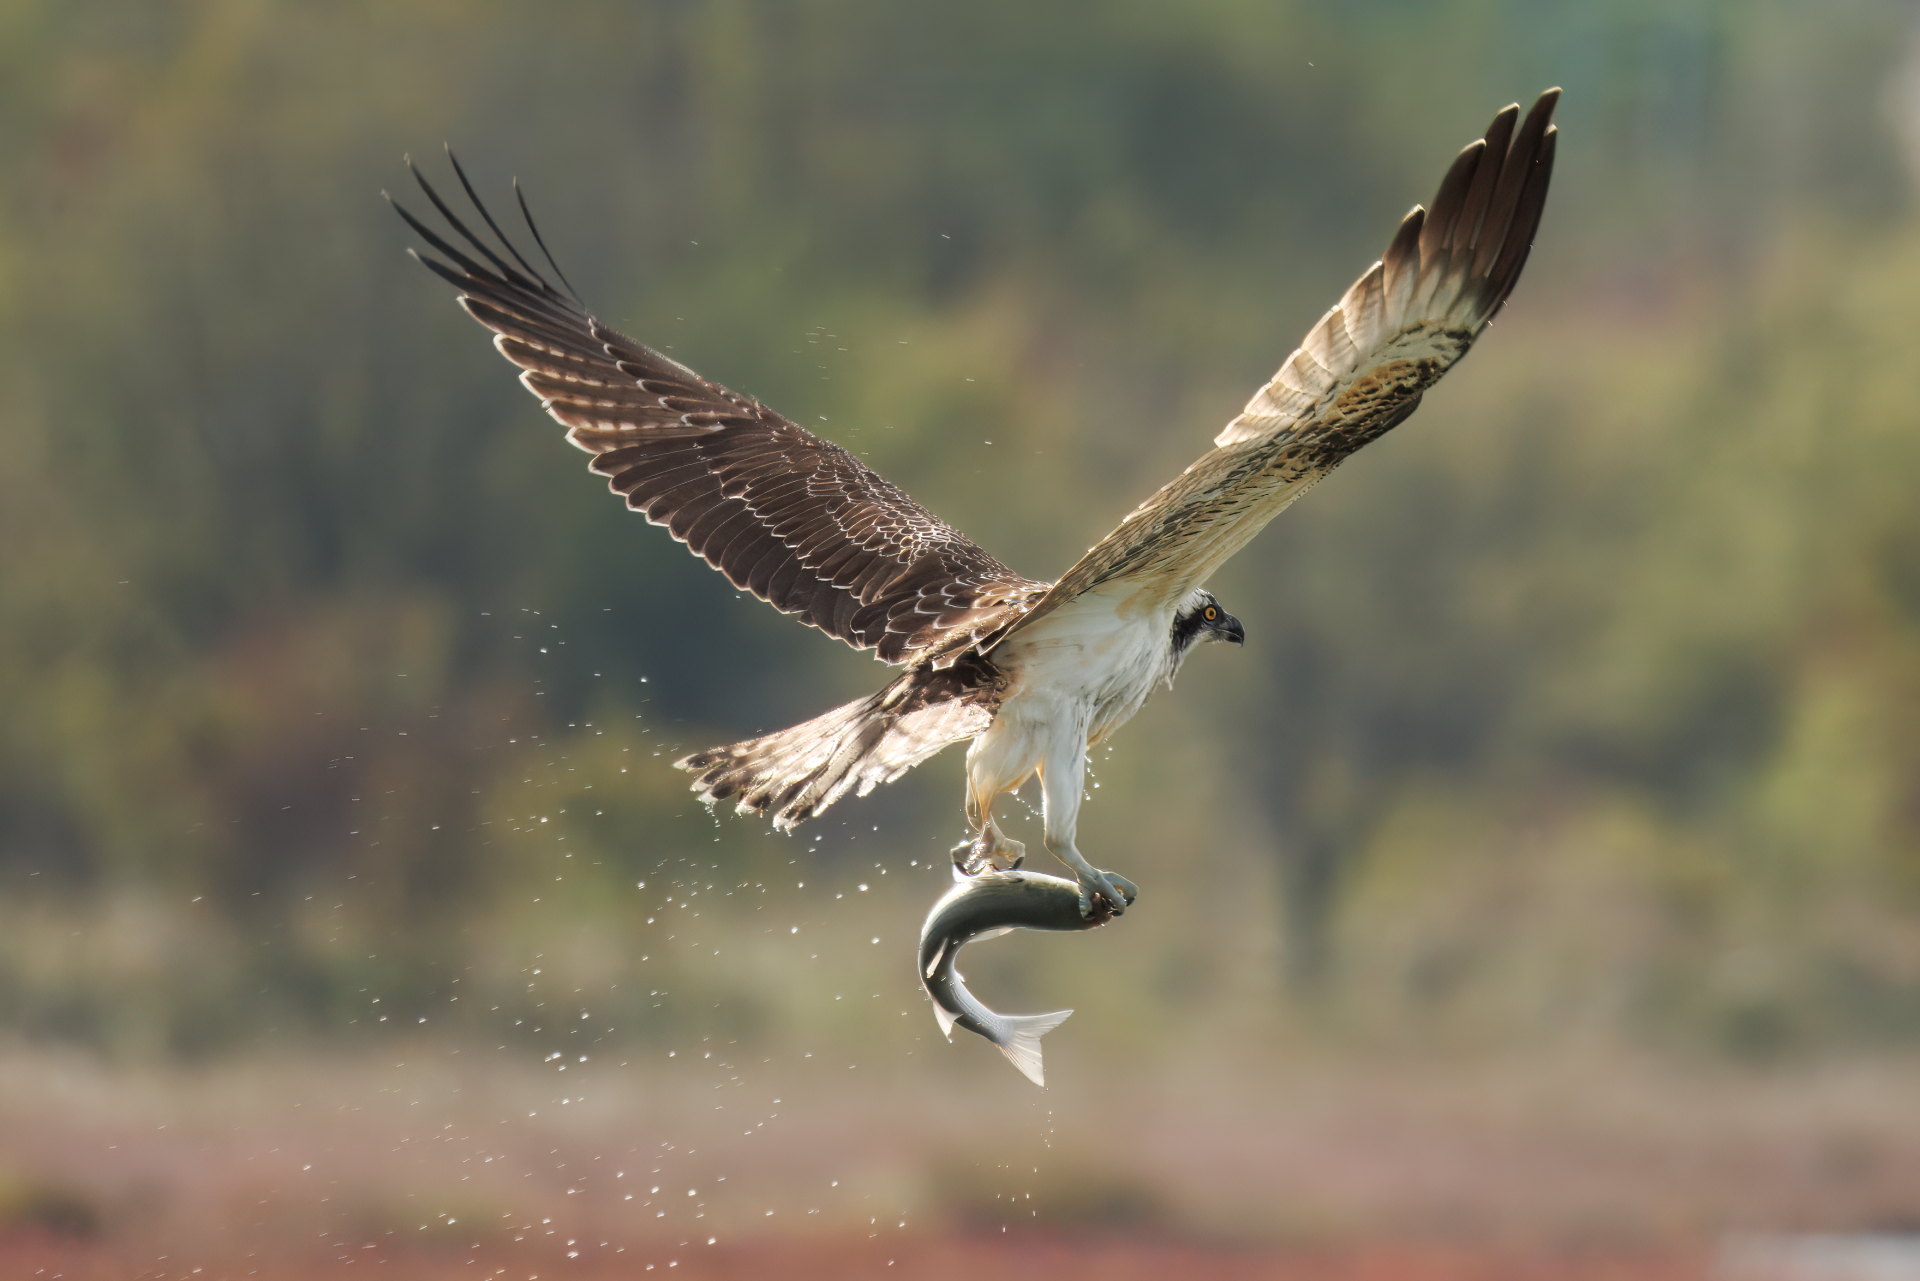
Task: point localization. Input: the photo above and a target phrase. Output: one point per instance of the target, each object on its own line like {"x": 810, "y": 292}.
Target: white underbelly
{"x": 1072, "y": 682}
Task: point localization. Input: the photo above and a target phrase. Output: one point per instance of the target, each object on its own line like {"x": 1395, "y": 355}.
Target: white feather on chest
{"x": 1090, "y": 664}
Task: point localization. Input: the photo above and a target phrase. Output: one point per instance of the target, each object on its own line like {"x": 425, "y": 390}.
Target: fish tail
{"x": 1018, "y": 1036}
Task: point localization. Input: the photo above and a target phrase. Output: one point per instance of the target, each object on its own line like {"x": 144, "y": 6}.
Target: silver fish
{"x": 984, "y": 906}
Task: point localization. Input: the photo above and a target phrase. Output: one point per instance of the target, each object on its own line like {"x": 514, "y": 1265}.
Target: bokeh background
{"x": 1535, "y": 895}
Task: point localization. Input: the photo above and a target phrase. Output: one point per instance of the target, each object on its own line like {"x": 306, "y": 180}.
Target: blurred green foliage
{"x": 1587, "y": 705}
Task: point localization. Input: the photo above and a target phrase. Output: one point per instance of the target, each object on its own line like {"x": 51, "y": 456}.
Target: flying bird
{"x": 1033, "y": 673}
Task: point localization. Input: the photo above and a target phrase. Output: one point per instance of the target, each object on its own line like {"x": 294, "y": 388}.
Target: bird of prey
{"x": 1033, "y": 673}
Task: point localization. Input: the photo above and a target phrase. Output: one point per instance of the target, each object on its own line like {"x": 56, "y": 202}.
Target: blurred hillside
{"x": 1580, "y": 711}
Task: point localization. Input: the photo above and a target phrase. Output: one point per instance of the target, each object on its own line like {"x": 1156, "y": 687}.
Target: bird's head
{"x": 1200, "y": 618}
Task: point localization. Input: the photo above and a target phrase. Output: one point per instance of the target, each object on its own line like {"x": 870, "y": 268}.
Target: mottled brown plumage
{"x": 794, "y": 519}
{"x": 795, "y": 773}
{"x": 801, "y": 523}
{"x": 1360, "y": 372}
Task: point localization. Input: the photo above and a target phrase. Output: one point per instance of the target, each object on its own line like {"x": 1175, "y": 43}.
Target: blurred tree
{"x": 308, "y": 618}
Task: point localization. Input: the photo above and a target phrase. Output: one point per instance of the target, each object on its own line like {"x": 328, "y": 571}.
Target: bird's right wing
{"x": 793, "y": 518}
{"x": 1360, "y": 372}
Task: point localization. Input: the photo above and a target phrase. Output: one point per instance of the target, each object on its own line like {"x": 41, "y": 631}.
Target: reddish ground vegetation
{"x": 454, "y": 1164}
{"x": 1027, "y": 1256}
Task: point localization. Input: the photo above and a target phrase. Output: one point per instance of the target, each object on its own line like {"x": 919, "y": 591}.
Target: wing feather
{"x": 793, "y": 518}
{"x": 1359, "y": 373}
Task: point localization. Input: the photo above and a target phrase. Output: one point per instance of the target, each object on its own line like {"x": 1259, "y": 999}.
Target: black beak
{"x": 1230, "y": 629}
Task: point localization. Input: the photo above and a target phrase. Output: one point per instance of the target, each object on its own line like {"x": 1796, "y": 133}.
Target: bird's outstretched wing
{"x": 791, "y": 517}
{"x": 1359, "y": 374}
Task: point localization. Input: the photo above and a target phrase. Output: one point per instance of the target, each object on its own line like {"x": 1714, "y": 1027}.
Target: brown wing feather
{"x": 1359, "y": 373}
{"x": 791, "y": 517}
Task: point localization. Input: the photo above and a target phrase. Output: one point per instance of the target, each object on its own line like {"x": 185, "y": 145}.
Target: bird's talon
{"x": 987, "y": 853}
{"x": 1105, "y": 895}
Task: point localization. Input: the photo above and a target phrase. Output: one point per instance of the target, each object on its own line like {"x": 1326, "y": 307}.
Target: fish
{"x": 986, "y": 906}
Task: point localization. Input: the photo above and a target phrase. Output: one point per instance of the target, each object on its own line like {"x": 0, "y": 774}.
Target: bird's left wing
{"x": 787, "y": 515}
{"x": 1359, "y": 374}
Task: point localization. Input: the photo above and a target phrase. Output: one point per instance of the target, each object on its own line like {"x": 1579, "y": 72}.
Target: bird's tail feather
{"x": 795, "y": 773}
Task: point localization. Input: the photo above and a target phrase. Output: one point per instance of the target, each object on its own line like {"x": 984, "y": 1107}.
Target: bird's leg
{"x": 988, "y": 849}
{"x": 1062, "y": 779}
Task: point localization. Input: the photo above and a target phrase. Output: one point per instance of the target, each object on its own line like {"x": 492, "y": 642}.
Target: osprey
{"x": 1033, "y": 673}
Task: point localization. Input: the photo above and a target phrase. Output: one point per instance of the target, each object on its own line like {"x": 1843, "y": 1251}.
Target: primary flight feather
{"x": 1033, "y": 673}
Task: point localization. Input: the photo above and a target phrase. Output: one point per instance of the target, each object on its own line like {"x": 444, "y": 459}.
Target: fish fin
{"x": 1021, "y": 1035}
{"x": 933, "y": 963}
{"x": 946, "y": 1019}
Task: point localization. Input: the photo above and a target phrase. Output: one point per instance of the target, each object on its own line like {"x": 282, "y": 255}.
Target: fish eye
{"x": 1211, "y": 614}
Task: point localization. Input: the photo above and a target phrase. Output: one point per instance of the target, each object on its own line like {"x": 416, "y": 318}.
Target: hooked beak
{"x": 1230, "y": 630}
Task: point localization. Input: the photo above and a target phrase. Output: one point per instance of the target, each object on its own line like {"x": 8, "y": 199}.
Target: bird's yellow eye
{"x": 1211, "y": 614}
